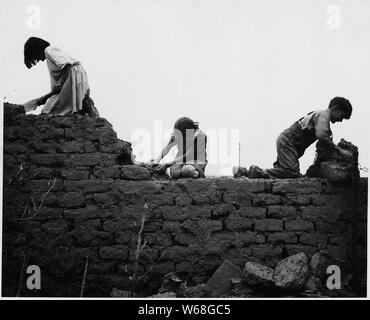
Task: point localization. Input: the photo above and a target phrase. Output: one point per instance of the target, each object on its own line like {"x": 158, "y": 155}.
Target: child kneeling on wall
{"x": 292, "y": 142}
{"x": 191, "y": 157}
{"x": 70, "y": 91}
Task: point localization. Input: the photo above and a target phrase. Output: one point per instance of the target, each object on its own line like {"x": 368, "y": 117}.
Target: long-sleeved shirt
{"x": 319, "y": 121}
{"x": 56, "y": 60}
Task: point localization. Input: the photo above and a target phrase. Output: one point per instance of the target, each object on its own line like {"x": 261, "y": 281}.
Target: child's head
{"x": 184, "y": 124}
{"x": 34, "y": 51}
{"x": 340, "y": 108}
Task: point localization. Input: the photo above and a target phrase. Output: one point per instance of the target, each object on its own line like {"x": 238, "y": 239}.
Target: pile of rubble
{"x": 294, "y": 276}
{"x": 333, "y": 165}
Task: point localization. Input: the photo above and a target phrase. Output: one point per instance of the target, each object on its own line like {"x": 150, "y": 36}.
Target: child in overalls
{"x": 191, "y": 157}
{"x": 70, "y": 91}
{"x": 292, "y": 143}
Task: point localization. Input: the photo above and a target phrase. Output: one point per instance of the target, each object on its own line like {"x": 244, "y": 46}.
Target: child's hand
{"x": 31, "y": 105}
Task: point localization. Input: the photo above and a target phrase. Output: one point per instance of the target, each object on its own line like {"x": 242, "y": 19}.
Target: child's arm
{"x": 42, "y": 100}
{"x": 324, "y": 134}
{"x": 63, "y": 77}
{"x": 165, "y": 150}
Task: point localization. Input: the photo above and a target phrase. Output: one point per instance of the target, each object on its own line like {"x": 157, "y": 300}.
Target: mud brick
{"x": 125, "y": 237}
{"x": 105, "y": 199}
{"x": 90, "y": 237}
{"x": 176, "y": 253}
{"x": 313, "y": 239}
{"x": 77, "y": 146}
{"x": 128, "y": 268}
{"x": 269, "y": 225}
{"x": 117, "y": 252}
{"x": 197, "y": 186}
{"x": 156, "y": 200}
{"x": 278, "y": 211}
{"x": 293, "y": 249}
{"x": 43, "y": 147}
{"x": 147, "y": 254}
{"x": 92, "y": 159}
{"x": 158, "y": 238}
{"x": 48, "y": 213}
{"x": 48, "y": 200}
{"x": 55, "y": 226}
{"x": 88, "y": 186}
{"x": 300, "y": 199}
{"x": 297, "y": 186}
{"x": 135, "y": 187}
{"x": 107, "y": 172}
{"x": 101, "y": 267}
{"x": 44, "y": 185}
{"x": 324, "y": 226}
{"x": 263, "y": 251}
{"x": 92, "y": 224}
{"x": 70, "y": 199}
{"x": 242, "y": 186}
{"x": 163, "y": 268}
{"x": 329, "y": 213}
{"x": 90, "y": 147}
{"x": 41, "y": 173}
{"x": 282, "y": 237}
{"x": 253, "y": 212}
{"x": 86, "y": 213}
{"x": 119, "y": 225}
{"x": 299, "y": 225}
{"x": 15, "y": 148}
{"x": 73, "y": 174}
{"x": 171, "y": 227}
{"x": 50, "y": 159}
{"x": 134, "y": 173}
{"x": 183, "y": 200}
{"x": 265, "y": 199}
{"x": 249, "y": 237}
{"x": 223, "y": 210}
{"x": 185, "y": 239}
{"x": 235, "y": 222}
{"x": 208, "y": 226}
{"x": 321, "y": 199}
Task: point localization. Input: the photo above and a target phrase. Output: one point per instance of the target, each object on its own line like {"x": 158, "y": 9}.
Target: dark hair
{"x": 34, "y": 50}
{"x": 341, "y": 104}
{"x": 184, "y": 124}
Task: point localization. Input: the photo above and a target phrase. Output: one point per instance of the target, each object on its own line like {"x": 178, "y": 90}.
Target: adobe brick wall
{"x": 95, "y": 205}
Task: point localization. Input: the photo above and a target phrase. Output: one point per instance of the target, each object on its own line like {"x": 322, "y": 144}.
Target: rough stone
{"x": 292, "y": 272}
{"x": 258, "y": 275}
{"x": 319, "y": 264}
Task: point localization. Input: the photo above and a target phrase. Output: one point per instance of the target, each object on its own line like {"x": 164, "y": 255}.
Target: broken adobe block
{"x": 332, "y": 165}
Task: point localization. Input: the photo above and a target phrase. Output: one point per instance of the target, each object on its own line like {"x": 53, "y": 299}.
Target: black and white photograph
{"x": 185, "y": 151}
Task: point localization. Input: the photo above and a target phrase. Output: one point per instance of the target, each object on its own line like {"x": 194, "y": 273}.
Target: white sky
{"x": 256, "y": 65}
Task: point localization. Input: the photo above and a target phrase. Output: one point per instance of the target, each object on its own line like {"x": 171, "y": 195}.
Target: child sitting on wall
{"x": 70, "y": 91}
{"x": 191, "y": 157}
{"x": 292, "y": 143}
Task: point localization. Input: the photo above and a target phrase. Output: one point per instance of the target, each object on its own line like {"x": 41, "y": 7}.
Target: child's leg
{"x": 175, "y": 171}
{"x": 287, "y": 163}
{"x": 189, "y": 171}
